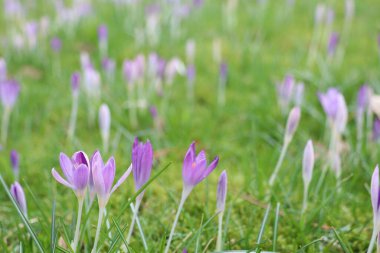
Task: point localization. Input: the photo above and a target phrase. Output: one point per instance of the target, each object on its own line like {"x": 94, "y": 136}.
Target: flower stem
{"x": 185, "y": 193}
{"x": 100, "y": 218}
{"x": 279, "y": 162}
{"x": 140, "y": 228}
{"x": 219, "y": 241}
{"x": 4, "y": 124}
{"x": 372, "y": 243}
{"x": 304, "y": 203}
{"x": 77, "y": 227}
{"x": 133, "y": 219}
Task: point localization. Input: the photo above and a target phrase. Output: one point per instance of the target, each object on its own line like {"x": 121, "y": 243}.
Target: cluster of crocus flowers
{"x": 81, "y": 174}
{"x": 9, "y": 91}
{"x": 194, "y": 171}
{"x": 335, "y": 108}
{"x": 291, "y": 127}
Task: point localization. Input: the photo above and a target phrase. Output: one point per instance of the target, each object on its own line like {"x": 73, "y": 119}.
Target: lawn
{"x": 261, "y": 42}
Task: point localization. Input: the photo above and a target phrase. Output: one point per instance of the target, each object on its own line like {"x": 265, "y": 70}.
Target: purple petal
{"x": 308, "y": 162}
{"x": 188, "y": 161}
{"x": 19, "y": 196}
{"x": 109, "y": 174}
{"x": 122, "y": 179}
{"x": 375, "y": 192}
{"x": 81, "y": 177}
{"x": 66, "y": 166}
{"x": 221, "y": 192}
{"x": 60, "y": 179}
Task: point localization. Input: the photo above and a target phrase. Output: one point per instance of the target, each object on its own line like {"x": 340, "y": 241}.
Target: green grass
{"x": 247, "y": 133}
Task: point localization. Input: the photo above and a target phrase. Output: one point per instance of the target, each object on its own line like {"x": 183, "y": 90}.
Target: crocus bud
{"x": 3, "y": 70}
{"x": 375, "y": 194}
{"x": 153, "y": 111}
{"x": 142, "y": 161}
{"x": 129, "y": 71}
{"x": 191, "y": 74}
{"x": 221, "y": 192}
{"x": 85, "y": 61}
{"x": 56, "y": 44}
{"x": 104, "y": 122}
{"x": 9, "y": 91}
{"x": 92, "y": 83}
{"x": 223, "y": 71}
{"x": 333, "y": 43}
{"x": 363, "y": 98}
{"x": 376, "y": 129}
{"x": 292, "y": 123}
{"x": 75, "y": 82}
{"x": 103, "y": 33}
{"x": 15, "y": 162}
{"x": 335, "y": 108}
{"x": 299, "y": 93}
{"x": 108, "y": 66}
{"x": 190, "y": 51}
{"x": 342, "y": 116}
{"x": 308, "y": 162}
{"x": 19, "y": 196}
{"x": 320, "y": 11}
{"x": 285, "y": 91}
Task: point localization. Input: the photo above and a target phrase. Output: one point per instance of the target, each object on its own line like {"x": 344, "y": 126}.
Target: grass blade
{"x": 276, "y": 227}
{"x": 262, "y": 228}
{"x": 53, "y": 232}
{"x": 121, "y": 234}
{"x": 23, "y": 218}
{"x": 345, "y": 248}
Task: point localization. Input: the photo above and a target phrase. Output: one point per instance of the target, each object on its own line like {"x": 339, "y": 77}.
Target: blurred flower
{"x": 75, "y": 83}
{"x": 31, "y": 33}
{"x": 109, "y": 66}
{"x": 9, "y": 91}
{"x": 129, "y": 72}
{"x": 363, "y": 98}
{"x": 299, "y": 93}
{"x": 285, "y": 91}
{"x": 15, "y": 162}
{"x": 330, "y": 15}
{"x": 103, "y": 176}
{"x": 85, "y": 61}
{"x": 333, "y": 43}
{"x": 376, "y": 129}
{"x": 76, "y": 171}
{"x": 335, "y": 108}
{"x": 19, "y": 196}
{"x": 190, "y": 51}
{"x": 105, "y": 124}
{"x": 320, "y": 11}
{"x": 102, "y": 33}
{"x": 292, "y": 123}
{"x": 223, "y": 72}
{"x": 173, "y": 67}
{"x": 308, "y": 162}
{"x": 153, "y": 111}
{"x": 191, "y": 74}
{"x": 221, "y": 192}
{"x": 56, "y": 44}
{"x": 375, "y": 199}
{"x": 3, "y": 70}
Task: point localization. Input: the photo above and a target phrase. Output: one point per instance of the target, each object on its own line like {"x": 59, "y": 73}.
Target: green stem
{"x": 185, "y": 194}
{"x": 77, "y": 227}
{"x": 219, "y": 241}
{"x": 279, "y": 162}
{"x": 5, "y": 124}
{"x": 100, "y": 219}
{"x": 372, "y": 242}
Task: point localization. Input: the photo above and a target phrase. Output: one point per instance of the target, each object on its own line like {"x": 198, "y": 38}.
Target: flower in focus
{"x": 19, "y": 196}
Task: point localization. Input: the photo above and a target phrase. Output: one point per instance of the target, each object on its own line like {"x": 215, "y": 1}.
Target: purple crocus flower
{"x": 75, "y": 82}
{"x": 3, "y": 70}
{"x": 292, "y": 123}
{"x": 363, "y": 98}
{"x": 108, "y": 65}
{"x": 19, "y": 196}
{"x": 105, "y": 124}
{"x": 376, "y": 129}
{"x": 129, "y": 71}
{"x": 15, "y": 162}
{"x": 142, "y": 161}
{"x": 308, "y": 162}
{"x": 375, "y": 199}
{"x": 9, "y": 91}
{"x": 285, "y": 91}
{"x": 102, "y": 33}
{"x": 76, "y": 171}
{"x": 153, "y": 111}
{"x": 56, "y": 44}
{"x": 103, "y": 176}
{"x": 335, "y": 108}
{"x": 223, "y": 71}
{"x": 221, "y": 192}
{"x": 195, "y": 168}
{"x": 333, "y": 43}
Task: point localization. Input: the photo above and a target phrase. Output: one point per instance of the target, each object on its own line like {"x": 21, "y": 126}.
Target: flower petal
{"x": 60, "y": 179}
{"x": 66, "y": 166}
{"x": 211, "y": 167}
{"x": 187, "y": 170}
{"x": 81, "y": 177}
{"x": 122, "y": 179}
{"x": 109, "y": 174}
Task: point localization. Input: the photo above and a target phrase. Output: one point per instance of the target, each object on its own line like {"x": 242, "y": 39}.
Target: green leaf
{"x": 346, "y": 248}
{"x": 275, "y": 230}
{"x": 23, "y": 218}
{"x": 262, "y": 228}
{"x": 53, "y": 232}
